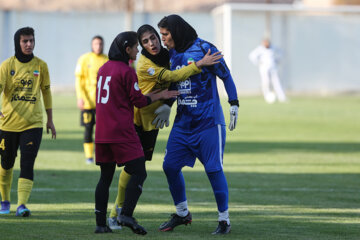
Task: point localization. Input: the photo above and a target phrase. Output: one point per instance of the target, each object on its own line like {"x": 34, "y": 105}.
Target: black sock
{"x": 137, "y": 170}
{"x": 102, "y": 193}
{"x": 132, "y": 194}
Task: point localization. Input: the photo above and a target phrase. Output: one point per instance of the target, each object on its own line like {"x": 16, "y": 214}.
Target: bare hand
{"x": 166, "y": 94}
{"x": 162, "y": 94}
{"x": 51, "y": 126}
{"x": 209, "y": 59}
{"x": 80, "y": 103}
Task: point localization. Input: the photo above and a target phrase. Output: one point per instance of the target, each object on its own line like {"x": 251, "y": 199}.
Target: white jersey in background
{"x": 266, "y": 59}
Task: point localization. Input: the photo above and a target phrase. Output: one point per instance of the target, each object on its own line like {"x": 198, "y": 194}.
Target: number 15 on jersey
{"x": 105, "y": 87}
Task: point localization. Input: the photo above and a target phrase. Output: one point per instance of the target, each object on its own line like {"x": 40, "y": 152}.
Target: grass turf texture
{"x": 293, "y": 172}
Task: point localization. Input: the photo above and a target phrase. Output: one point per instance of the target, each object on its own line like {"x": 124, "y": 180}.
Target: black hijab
{"x": 183, "y": 34}
{"x": 162, "y": 58}
{"x": 117, "y": 51}
{"x": 18, "y": 53}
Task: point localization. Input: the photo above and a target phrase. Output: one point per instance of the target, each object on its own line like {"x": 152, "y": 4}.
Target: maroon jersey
{"x": 117, "y": 93}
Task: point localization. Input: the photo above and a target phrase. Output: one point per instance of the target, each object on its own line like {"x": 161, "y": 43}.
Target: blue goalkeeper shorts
{"x": 208, "y": 146}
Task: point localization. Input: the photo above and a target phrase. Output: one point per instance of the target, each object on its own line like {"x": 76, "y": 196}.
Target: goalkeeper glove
{"x": 162, "y": 116}
{"x": 233, "y": 117}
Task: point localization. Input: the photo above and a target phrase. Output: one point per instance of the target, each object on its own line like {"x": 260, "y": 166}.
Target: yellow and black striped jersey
{"x": 21, "y": 84}
{"x": 86, "y": 74}
{"x": 153, "y": 77}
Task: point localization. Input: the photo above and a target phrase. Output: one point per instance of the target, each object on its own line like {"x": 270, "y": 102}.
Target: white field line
{"x": 325, "y": 190}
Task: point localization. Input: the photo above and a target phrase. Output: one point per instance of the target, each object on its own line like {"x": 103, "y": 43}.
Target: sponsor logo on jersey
{"x": 184, "y": 87}
{"x": 16, "y": 97}
{"x": 190, "y": 61}
{"x": 36, "y": 73}
{"x": 12, "y": 72}
{"x": 136, "y": 86}
{"x": 151, "y": 71}
{"x": 192, "y": 102}
{"x": 24, "y": 85}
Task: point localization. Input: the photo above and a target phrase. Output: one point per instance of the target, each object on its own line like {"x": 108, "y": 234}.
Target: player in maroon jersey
{"x": 116, "y": 140}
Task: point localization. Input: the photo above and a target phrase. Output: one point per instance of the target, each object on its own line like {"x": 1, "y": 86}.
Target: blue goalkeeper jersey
{"x": 198, "y": 105}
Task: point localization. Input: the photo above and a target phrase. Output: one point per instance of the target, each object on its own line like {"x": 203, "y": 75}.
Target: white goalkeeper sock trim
{"x": 182, "y": 209}
{"x": 224, "y": 216}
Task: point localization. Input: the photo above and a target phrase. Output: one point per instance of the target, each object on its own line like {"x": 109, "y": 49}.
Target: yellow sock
{"x": 89, "y": 149}
{"x": 123, "y": 181}
{"x": 24, "y": 190}
{"x": 6, "y": 177}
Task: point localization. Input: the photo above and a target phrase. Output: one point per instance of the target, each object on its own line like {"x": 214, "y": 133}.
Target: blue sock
{"x": 176, "y": 183}
{"x": 220, "y": 189}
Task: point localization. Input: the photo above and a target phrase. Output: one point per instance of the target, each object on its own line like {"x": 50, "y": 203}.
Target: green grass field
{"x": 293, "y": 172}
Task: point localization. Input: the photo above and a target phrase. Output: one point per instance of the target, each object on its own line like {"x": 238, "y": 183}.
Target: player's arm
{"x": 163, "y": 112}
{"x": 80, "y": 83}
{"x": 3, "y": 76}
{"x": 50, "y": 124}
{"x": 166, "y": 75}
{"x": 254, "y": 56}
{"x": 223, "y": 72}
{"x": 137, "y": 98}
{"x": 46, "y": 92}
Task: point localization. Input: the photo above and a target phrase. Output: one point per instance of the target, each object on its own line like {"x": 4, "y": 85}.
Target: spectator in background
{"x": 266, "y": 57}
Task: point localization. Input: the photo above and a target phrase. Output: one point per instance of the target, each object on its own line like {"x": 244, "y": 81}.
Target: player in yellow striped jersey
{"x": 23, "y": 79}
{"x": 86, "y": 73}
{"x": 153, "y": 74}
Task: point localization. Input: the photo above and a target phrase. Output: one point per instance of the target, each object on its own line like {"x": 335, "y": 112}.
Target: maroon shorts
{"x": 118, "y": 153}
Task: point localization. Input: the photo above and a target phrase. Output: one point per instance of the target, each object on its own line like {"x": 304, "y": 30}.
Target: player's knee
{"x": 136, "y": 167}
{"x": 27, "y": 161}
{"x": 8, "y": 163}
{"x": 148, "y": 154}
{"x": 221, "y": 193}
{"x": 169, "y": 169}
{"x": 136, "y": 182}
{"x": 27, "y": 170}
{"x": 140, "y": 179}
{"x": 141, "y": 174}
{"x": 166, "y": 166}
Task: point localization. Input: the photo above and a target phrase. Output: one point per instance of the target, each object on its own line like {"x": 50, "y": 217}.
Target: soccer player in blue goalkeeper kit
{"x": 199, "y": 126}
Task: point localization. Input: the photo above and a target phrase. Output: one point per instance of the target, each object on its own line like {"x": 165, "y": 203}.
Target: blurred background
{"x": 319, "y": 38}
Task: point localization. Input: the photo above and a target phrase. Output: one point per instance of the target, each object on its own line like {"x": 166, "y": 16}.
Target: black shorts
{"x": 28, "y": 140}
{"x": 87, "y": 117}
{"x": 148, "y": 141}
